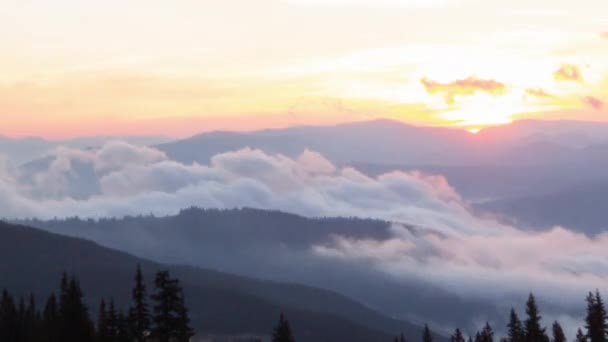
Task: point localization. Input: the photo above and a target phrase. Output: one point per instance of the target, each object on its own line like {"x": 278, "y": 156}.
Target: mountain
{"x": 221, "y": 304}
{"x": 278, "y": 246}
{"x": 393, "y": 142}
{"x": 582, "y": 208}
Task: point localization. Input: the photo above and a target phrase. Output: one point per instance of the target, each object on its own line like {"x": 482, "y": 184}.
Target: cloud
{"x": 538, "y": 92}
{"x": 568, "y": 72}
{"x": 604, "y": 34}
{"x": 463, "y": 87}
{"x": 448, "y": 247}
{"x": 594, "y": 102}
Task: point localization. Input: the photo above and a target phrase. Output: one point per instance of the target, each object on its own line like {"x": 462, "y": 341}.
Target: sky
{"x": 72, "y": 68}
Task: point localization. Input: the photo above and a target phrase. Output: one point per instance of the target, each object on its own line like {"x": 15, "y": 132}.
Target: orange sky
{"x": 71, "y": 68}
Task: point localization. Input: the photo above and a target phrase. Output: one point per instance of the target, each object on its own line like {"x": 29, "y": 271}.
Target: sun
{"x": 474, "y": 130}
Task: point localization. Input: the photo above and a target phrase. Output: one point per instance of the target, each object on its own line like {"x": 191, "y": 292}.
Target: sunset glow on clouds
{"x": 149, "y": 67}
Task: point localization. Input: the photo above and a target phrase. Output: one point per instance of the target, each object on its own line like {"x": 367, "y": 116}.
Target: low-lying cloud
{"x": 451, "y": 247}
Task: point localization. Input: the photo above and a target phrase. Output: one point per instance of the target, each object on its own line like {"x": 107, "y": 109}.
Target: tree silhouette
{"x": 76, "y": 325}
{"x": 558, "y": 333}
{"x": 427, "y": 336}
{"x": 596, "y": 318}
{"x": 139, "y": 315}
{"x": 515, "y": 328}
{"x": 170, "y": 318}
{"x": 533, "y": 330}
{"x": 282, "y": 332}
{"x": 580, "y": 336}
{"x": 457, "y": 337}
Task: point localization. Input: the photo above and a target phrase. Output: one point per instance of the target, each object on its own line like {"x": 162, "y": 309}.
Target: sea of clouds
{"x": 452, "y": 248}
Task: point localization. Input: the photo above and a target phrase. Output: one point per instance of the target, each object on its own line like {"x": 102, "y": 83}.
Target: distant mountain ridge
{"x": 276, "y": 246}
{"x": 387, "y": 141}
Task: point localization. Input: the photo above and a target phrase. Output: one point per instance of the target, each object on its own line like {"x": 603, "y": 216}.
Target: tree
{"x": 515, "y": 328}
{"x": 171, "y": 321}
{"x": 400, "y": 338}
{"x": 596, "y": 318}
{"x": 50, "y": 320}
{"x": 75, "y": 323}
{"x": 558, "y": 333}
{"x": 139, "y": 315}
{"x": 457, "y": 337}
{"x": 103, "y": 329}
{"x": 487, "y": 334}
{"x": 533, "y": 331}
{"x": 282, "y": 332}
{"x": 184, "y": 331}
{"x": 580, "y": 337}
{"x": 8, "y": 318}
{"x": 427, "y": 336}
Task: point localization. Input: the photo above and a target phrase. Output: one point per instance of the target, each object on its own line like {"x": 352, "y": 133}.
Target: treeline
{"x": 531, "y": 329}
{"x": 64, "y": 317}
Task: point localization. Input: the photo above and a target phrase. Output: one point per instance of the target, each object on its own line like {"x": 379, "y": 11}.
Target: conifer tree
{"x": 139, "y": 315}
{"x": 558, "y": 333}
{"x": 8, "y": 318}
{"x": 533, "y": 330}
{"x": 487, "y": 333}
{"x": 184, "y": 331}
{"x": 123, "y": 332}
{"x": 282, "y": 332}
{"x": 427, "y": 336}
{"x": 103, "y": 333}
{"x": 170, "y": 318}
{"x": 51, "y": 320}
{"x": 600, "y": 312}
{"x": 457, "y": 337}
{"x": 580, "y": 336}
{"x": 75, "y": 323}
{"x": 515, "y": 328}
{"x": 596, "y": 318}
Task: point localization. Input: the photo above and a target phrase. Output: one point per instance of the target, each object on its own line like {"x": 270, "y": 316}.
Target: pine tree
{"x": 515, "y": 328}
{"x": 596, "y": 318}
{"x": 123, "y": 332}
{"x": 139, "y": 315}
{"x": 282, "y": 332}
{"x": 8, "y": 318}
{"x": 51, "y": 320}
{"x": 103, "y": 333}
{"x": 457, "y": 337}
{"x": 487, "y": 334}
{"x": 184, "y": 331}
{"x": 602, "y": 317}
{"x": 580, "y": 337}
{"x": 533, "y": 331}
{"x": 558, "y": 333}
{"x": 163, "y": 315}
{"x": 170, "y": 318}
{"x": 75, "y": 324}
{"x": 112, "y": 325}
{"x": 427, "y": 336}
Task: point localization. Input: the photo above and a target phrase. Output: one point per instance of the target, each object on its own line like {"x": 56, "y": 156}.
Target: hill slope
{"x": 31, "y": 261}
